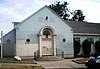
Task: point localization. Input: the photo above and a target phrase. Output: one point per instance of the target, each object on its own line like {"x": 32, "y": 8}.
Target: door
{"x": 47, "y": 42}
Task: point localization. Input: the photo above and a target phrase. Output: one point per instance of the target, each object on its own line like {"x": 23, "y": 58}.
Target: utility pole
{"x": 1, "y": 44}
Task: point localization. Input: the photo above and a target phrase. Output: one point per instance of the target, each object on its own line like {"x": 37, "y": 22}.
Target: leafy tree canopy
{"x": 78, "y": 16}
{"x": 64, "y": 12}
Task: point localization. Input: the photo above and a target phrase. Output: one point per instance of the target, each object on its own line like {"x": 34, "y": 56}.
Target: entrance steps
{"x": 49, "y": 58}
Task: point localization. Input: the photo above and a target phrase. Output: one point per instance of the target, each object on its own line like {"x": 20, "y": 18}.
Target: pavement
{"x": 62, "y": 64}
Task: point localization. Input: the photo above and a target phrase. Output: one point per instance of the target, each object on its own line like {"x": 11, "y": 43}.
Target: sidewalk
{"x": 66, "y": 63}
{"x": 61, "y": 64}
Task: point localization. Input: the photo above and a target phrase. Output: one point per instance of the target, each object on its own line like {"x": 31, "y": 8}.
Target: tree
{"x": 64, "y": 12}
{"x": 86, "y": 46}
{"x": 78, "y": 16}
{"x": 61, "y": 9}
{"x": 97, "y": 47}
{"x": 77, "y": 46}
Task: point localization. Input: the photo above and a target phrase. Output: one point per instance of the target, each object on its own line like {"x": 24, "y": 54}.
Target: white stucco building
{"x": 45, "y": 33}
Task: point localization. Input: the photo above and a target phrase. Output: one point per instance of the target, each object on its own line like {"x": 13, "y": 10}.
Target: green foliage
{"x": 97, "y": 47}
{"x": 78, "y": 16}
{"x": 64, "y": 12}
{"x": 76, "y": 48}
{"x": 60, "y": 9}
{"x": 86, "y": 46}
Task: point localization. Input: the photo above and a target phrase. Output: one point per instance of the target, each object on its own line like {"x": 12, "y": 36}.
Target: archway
{"x": 47, "y": 41}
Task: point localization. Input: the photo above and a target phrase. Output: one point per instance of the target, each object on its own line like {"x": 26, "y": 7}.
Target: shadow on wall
{"x": 36, "y": 54}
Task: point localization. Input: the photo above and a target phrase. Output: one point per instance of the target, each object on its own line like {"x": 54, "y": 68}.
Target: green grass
{"x": 12, "y": 60}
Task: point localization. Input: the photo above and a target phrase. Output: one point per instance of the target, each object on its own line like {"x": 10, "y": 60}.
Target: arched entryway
{"x": 47, "y": 41}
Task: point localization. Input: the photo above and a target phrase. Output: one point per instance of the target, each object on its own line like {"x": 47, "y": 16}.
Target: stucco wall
{"x": 9, "y": 44}
{"x": 30, "y": 28}
{"x": 83, "y": 37}
{"x": 24, "y": 49}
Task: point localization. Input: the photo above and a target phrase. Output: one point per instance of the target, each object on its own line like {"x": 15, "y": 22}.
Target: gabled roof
{"x": 84, "y": 27}
{"x": 8, "y": 33}
{"x": 18, "y": 23}
{"x": 78, "y": 27}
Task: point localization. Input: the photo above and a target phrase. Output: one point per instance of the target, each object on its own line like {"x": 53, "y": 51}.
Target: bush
{"x": 97, "y": 47}
{"x": 76, "y": 48}
{"x": 86, "y": 46}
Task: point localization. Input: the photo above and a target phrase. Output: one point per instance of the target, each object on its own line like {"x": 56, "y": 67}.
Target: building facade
{"x": 45, "y": 33}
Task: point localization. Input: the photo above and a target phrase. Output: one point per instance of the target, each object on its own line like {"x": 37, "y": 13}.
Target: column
{"x": 54, "y": 44}
{"x": 40, "y": 50}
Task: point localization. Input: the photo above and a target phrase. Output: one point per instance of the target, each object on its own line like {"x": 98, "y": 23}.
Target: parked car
{"x": 93, "y": 62}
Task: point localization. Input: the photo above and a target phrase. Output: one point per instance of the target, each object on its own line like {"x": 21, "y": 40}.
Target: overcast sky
{"x": 18, "y": 10}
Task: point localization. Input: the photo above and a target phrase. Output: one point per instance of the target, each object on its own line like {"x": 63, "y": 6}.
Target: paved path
{"x": 62, "y": 64}
{"x": 66, "y": 63}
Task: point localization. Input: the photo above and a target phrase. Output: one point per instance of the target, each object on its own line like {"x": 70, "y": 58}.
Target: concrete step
{"x": 49, "y": 58}
{"x": 29, "y": 58}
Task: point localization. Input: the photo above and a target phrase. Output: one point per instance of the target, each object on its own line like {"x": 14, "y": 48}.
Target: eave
{"x": 85, "y": 34}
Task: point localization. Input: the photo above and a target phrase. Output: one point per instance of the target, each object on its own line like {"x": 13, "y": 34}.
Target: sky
{"x": 18, "y": 10}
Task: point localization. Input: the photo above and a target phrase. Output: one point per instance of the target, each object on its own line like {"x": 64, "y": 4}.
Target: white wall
{"x": 31, "y": 27}
{"x": 82, "y": 38}
{"x": 26, "y": 49}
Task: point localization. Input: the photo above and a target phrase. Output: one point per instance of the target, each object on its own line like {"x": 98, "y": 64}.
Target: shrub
{"x": 86, "y": 46}
{"x": 97, "y": 47}
{"x": 76, "y": 48}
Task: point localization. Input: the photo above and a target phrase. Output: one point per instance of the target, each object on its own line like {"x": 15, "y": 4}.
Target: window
{"x": 46, "y": 33}
{"x": 64, "y": 40}
{"x": 27, "y": 41}
{"x": 46, "y": 18}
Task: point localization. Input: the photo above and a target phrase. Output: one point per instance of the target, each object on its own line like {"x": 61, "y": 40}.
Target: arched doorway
{"x": 47, "y": 41}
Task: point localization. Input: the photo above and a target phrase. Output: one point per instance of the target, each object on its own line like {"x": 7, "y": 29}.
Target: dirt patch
{"x": 21, "y": 67}
{"x": 80, "y": 60}
{"x": 12, "y": 60}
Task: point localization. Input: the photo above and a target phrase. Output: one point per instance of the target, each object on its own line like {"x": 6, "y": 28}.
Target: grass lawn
{"x": 21, "y": 67}
{"x": 12, "y": 60}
